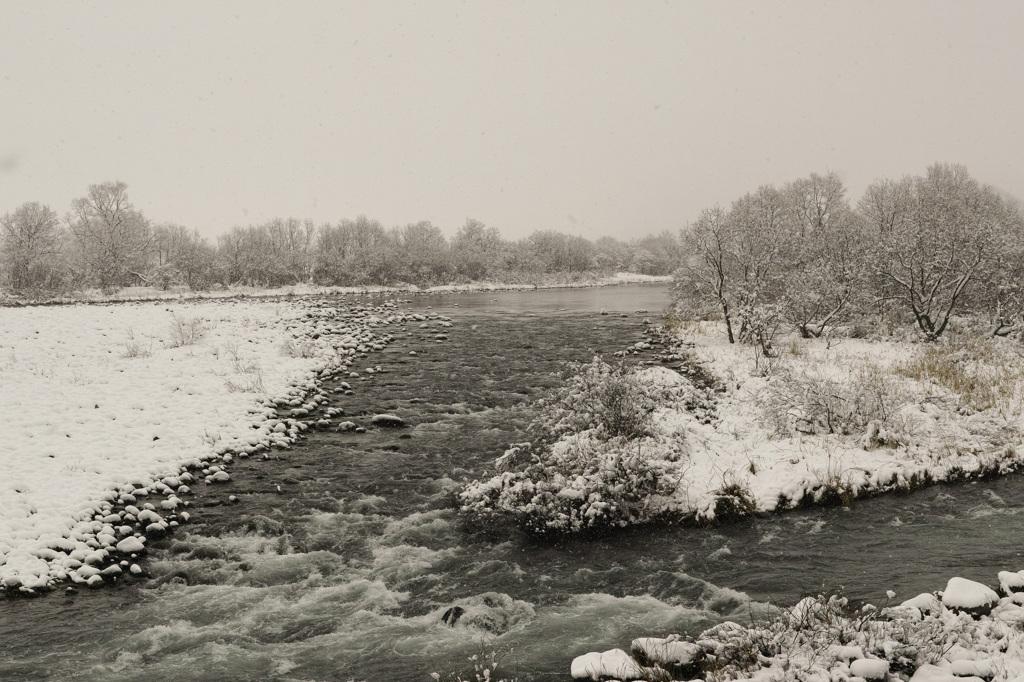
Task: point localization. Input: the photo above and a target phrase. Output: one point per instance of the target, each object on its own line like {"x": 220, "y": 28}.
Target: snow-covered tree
{"x": 705, "y": 276}
{"x": 824, "y": 270}
{"x": 30, "y": 247}
{"x": 113, "y": 238}
{"x": 947, "y": 239}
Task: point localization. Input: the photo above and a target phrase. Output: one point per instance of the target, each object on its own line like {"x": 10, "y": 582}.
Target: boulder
{"x": 1011, "y": 582}
{"x": 387, "y": 421}
{"x": 969, "y": 596}
{"x": 870, "y": 668}
{"x": 130, "y": 545}
{"x": 615, "y": 663}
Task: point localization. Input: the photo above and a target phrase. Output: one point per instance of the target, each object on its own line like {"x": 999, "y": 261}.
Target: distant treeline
{"x": 104, "y": 241}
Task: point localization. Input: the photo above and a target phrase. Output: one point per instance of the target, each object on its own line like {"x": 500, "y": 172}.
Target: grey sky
{"x": 594, "y": 118}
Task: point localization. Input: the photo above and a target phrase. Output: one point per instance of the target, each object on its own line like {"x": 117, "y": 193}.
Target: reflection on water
{"x": 344, "y": 556}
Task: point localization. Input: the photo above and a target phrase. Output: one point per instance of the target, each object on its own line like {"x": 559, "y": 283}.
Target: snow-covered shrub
{"x": 186, "y": 331}
{"x": 581, "y": 482}
{"x": 136, "y": 348}
{"x": 814, "y": 402}
{"x": 486, "y": 665}
{"x": 732, "y": 501}
{"x": 598, "y": 459}
{"x": 302, "y": 348}
{"x": 760, "y": 323}
{"x": 609, "y": 400}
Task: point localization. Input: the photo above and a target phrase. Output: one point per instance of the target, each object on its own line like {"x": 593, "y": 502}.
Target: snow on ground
{"x": 891, "y": 430}
{"x": 106, "y": 404}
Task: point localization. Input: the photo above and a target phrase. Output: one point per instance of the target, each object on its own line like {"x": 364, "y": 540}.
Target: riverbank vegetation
{"x": 600, "y": 457}
{"x": 965, "y": 632}
{"x": 728, "y": 432}
{"x": 105, "y": 242}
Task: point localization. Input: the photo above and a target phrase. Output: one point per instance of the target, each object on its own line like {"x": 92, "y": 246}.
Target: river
{"x": 343, "y": 555}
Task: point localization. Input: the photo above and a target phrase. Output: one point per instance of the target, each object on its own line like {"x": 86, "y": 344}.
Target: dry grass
{"x": 186, "y": 331}
{"x": 299, "y": 348}
{"x": 981, "y": 374}
{"x": 136, "y": 348}
{"x": 251, "y": 383}
{"x": 810, "y": 401}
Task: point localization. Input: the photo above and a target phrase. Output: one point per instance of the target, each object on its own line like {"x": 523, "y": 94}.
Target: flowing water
{"x": 343, "y": 556}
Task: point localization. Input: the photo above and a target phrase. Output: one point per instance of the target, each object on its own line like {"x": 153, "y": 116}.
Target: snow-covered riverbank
{"x": 829, "y": 420}
{"x": 724, "y": 431}
{"x": 108, "y": 406}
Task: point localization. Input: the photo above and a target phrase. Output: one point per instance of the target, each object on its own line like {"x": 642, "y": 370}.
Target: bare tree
{"x": 763, "y": 241}
{"x": 476, "y": 249}
{"x": 30, "y": 245}
{"x": 423, "y": 253}
{"x": 356, "y": 251}
{"x": 816, "y": 202}
{"x": 706, "y": 273}
{"x": 180, "y": 256}
{"x": 887, "y": 205}
{"x": 824, "y": 273}
{"x": 999, "y": 290}
{"x": 928, "y": 260}
{"x": 113, "y": 237}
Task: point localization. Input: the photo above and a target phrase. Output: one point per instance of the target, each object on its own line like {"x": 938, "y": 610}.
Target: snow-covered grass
{"x": 109, "y": 408}
{"x": 965, "y": 632}
{"x": 832, "y": 419}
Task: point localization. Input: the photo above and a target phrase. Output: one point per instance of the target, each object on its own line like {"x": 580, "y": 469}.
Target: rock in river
{"x": 387, "y": 420}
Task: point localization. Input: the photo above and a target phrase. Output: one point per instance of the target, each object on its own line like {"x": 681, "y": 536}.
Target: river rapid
{"x": 344, "y": 555}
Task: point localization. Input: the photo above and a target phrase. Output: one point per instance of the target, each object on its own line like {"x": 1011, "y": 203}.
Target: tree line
{"x": 919, "y": 250}
{"x": 105, "y": 241}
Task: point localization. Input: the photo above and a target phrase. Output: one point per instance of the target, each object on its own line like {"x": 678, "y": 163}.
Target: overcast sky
{"x": 594, "y": 118}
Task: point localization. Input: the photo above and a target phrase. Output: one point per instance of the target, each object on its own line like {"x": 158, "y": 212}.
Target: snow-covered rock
{"x": 1011, "y": 582}
{"x": 615, "y": 663}
{"x": 939, "y": 673}
{"x": 870, "y": 668}
{"x": 130, "y": 545}
{"x": 924, "y": 602}
{"x": 969, "y": 596}
{"x": 666, "y": 651}
{"x": 977, "y": 668}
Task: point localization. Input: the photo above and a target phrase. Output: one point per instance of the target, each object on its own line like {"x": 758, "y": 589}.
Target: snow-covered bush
{"x": 186, "y": 331}
{"x": 580, "y": 483}
{"x": 814, "y": 402}
{"x": 609, "y": 400}
{"x": 598, "y": 459}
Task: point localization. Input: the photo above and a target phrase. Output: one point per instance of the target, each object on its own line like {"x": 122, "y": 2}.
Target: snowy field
{"x": 107, "y": 404}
